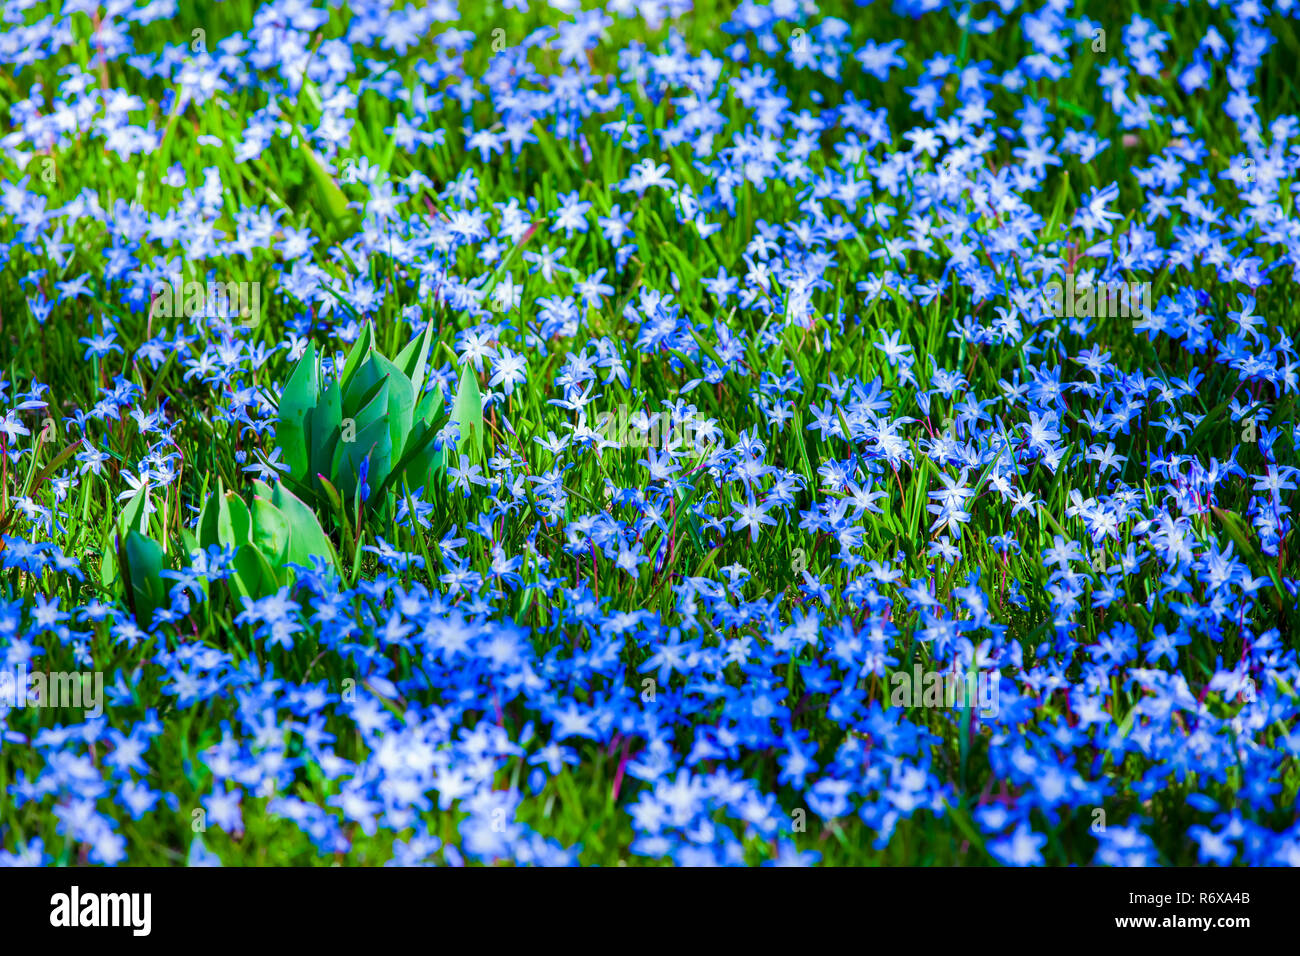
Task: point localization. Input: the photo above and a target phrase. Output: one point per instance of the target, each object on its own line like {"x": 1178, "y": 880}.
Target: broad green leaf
{"x": 332, "y": 494}
{"x": 414, "y": 359}
{"x": 142, "y": 563}
{"x": 133, "y": 517}
{"x": 356, "y": 355}
{"x": 363, "y": 385}
{"x": 401, "y": 403}
{"x": 374, "y": 409}
{"x": 234, "y": 525}
{"x": 429, "y": 407}
{"x": 467, "y": 412}
{"x": 253, "y": 577}
{"x": 301, "y": 393}
{"x": 108, "y": 566}
{"x": 324, "y": 430}
{"x": 208, "y": 536}
{"x": 271, "y": 530}
{"x": 372, "y": 441}
{"x": 370, "y": 421}
{"x": 418, "y": 458}
{"x": 308, "y": 536}
{"x": 274, "y": 577}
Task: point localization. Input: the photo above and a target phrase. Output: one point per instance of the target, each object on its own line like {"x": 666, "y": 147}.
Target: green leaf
{"x": 234, "y": 524}
{"x": 430, "y": 405}
{"x": 376, "y": 376}
{"x": 371, "y": 422}
{"x": 414, "y": 359}
{"x": 308, "y": 536}
{"x": 362, "y": 386}
{"x": 1238, "y": 531}
{"x": 274, "y": 577}
{"x": 133, "y": 517}
{"x": 1213, "y": 417}
{"x": 271, "y": 530}
{"x": 336, "y": 204}
{"x": 324, "y": 430}
{"x": 108, "y": 568}
{"x": 360, "y": 348}
{"x": 300, "y": 397}
{"x": 142, "y": 564}
{"x": 54, "y": 465}
{"x": 467, "y": 412}
{"x": 419, "y": 458}
{"x": 253, "y": 577}
{"x": 208, "y": 536}
{"x": 373, "y": 409}
{"x": 705, "y": 346}
{"x": 401, "y": 403}
{"x": 372, "y": 441}
{"x": 332, "y": 494}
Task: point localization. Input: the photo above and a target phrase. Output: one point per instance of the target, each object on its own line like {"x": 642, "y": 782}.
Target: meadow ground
{"x": 652, "y": 433}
